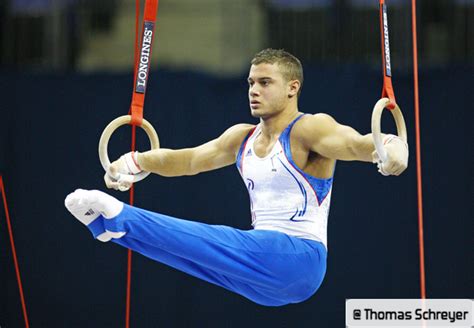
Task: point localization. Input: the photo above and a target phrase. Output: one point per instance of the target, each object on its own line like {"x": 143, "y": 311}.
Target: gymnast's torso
{"x": 284, "y": 197}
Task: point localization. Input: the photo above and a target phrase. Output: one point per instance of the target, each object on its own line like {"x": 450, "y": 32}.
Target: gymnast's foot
{"x": 88, "y": 205}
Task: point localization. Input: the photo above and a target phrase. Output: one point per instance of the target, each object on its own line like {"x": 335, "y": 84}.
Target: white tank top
{"x": 282, "y": 196}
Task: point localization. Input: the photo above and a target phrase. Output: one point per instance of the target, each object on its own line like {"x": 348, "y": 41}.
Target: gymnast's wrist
{"x": 391, "y": 138}
{"x": 129, "y": 164}
{"x": 140, "y": 160}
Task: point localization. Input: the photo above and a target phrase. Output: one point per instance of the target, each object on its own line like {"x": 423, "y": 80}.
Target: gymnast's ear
{"x": 293, "y": 88}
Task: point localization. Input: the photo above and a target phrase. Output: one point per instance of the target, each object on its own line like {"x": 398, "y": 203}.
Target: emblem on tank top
{"x": 272, "y": 158}
{"x": 249, "y": 152}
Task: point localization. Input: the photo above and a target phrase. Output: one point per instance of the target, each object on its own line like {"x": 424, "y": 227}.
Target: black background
{"x": 50, "y": 127}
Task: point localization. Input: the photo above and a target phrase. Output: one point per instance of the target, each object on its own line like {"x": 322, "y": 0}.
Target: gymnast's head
{"x": 275, "y": 82}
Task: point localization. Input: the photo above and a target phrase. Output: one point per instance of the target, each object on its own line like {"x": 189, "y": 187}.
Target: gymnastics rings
{"x": 110, "y": 129}
{"x": 376, "y": 134}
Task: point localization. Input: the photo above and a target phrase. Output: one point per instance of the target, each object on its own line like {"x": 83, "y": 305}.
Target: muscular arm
{"x": 212, "y": 155}
{"x": 323, "y": 135}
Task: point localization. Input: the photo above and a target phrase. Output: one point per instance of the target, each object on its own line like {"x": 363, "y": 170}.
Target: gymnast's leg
{"x": 268, "y": 267}
{"x": 256, "y": 294}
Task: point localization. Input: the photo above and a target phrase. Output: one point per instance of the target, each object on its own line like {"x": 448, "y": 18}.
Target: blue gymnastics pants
{"x": 268, "y": 267}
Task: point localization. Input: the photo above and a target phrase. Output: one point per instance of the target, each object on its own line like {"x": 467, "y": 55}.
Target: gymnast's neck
{"x": 273, "y": 125}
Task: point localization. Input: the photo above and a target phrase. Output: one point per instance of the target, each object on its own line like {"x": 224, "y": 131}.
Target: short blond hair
{"x": 291, "y": 67}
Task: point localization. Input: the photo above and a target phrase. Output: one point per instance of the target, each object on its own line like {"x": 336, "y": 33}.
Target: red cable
{"x": 418, "y": 151}
{"x": 388, "y": 91}
{"x": 138, "y": 100}
{"x": 129, "y": 285}
{"x": 15, "y": 260}
{"x": 129, "y": 252}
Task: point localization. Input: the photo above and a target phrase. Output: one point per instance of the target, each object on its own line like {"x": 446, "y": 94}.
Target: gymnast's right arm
{"x": 212, "y": 155}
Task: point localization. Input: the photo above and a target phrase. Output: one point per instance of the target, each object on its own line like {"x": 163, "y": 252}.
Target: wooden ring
{"x": 376, "y": 133}
{"x": 110, "y": 129}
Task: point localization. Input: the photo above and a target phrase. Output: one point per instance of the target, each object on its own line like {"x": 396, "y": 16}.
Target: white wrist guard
{"x": 389, "y": 138}
{"x": 130, "y": 160}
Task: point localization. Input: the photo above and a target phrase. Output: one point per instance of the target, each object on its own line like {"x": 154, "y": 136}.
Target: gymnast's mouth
{"x": 254, "y": 104}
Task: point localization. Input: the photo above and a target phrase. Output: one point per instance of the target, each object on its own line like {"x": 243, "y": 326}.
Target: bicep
{"x": 336, "y": 141}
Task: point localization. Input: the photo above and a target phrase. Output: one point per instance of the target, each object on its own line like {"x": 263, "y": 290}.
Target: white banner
{"x": 409, "y": 313}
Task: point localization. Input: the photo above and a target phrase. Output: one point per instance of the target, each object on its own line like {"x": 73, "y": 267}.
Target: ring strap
{"x": 387, "y": 90}
{"x": 143, "y": 61}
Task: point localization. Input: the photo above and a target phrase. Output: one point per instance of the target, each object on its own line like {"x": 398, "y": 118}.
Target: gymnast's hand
{"x": 397, "y": 156}
{"x": 119, "y": 175}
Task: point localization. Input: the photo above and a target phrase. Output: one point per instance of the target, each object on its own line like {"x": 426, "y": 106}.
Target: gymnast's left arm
{"x": 212, "y": 155}
{"x": 323, "y": 135}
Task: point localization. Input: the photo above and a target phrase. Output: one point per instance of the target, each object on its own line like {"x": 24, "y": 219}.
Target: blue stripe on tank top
{"x": 241, "y": 149}
{"x": 303, "y": 192}
{"x": 321, "y": 186}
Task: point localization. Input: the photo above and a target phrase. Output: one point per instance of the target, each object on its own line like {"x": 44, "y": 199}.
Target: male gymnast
{"x": 287, "y": 162}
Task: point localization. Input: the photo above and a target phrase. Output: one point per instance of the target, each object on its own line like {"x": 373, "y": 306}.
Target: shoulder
{"x": 313, "y": 125}
{"x": 316, "y": 120}
{"x": 233, "y": 137}
{"x": 241, "y": 128}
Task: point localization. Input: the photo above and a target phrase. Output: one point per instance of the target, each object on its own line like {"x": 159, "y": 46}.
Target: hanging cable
{"x": 132, "y": 189}
{"x": 418, "y": 151}
{"x": 15, "y": 259}
{"x": 388, "y": 92}
{"x": 141, "y": 71}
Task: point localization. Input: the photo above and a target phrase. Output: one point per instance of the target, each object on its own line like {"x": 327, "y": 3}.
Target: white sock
{"x": 87, "y": 205}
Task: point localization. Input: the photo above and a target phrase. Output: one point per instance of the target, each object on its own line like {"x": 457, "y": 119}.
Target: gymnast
{"x": 287, "y": 162}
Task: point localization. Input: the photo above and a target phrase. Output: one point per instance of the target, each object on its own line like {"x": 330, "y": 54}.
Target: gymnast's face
{"x": 268, "y": 90}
